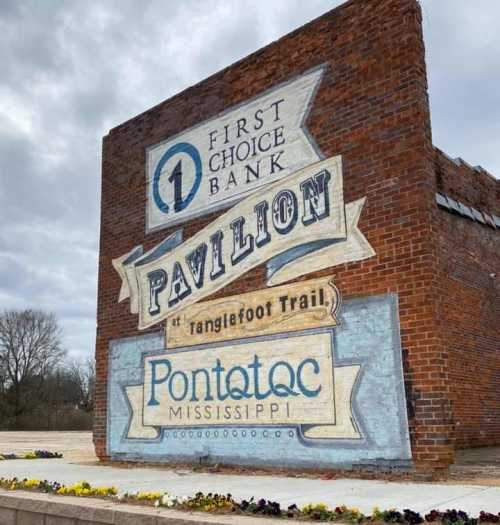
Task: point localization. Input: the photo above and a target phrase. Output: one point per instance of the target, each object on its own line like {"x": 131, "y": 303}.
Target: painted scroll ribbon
{"x": 263, "y": 140}
{"x": 272, "y": 382}
{"x": 299, "y": 225}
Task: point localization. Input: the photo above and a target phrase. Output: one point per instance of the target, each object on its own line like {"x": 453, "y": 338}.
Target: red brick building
{"x": 432, "y": 224}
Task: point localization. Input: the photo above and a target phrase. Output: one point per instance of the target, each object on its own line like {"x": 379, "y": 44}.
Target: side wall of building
{"x": 469, "y": 308}
{"x": 372, "y": 109}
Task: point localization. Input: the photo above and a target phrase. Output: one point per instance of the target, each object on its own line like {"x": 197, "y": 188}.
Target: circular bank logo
{"x": 177, "y": 177}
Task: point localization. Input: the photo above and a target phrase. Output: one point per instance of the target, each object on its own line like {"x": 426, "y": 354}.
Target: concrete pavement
{"x": 363, "y": 494}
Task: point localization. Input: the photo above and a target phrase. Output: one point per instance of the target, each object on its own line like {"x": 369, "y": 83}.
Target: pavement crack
{"x": 479, "y": 490}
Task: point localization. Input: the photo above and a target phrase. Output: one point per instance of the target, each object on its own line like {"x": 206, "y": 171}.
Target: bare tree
{"x": 82, "y": 373}
{"x": 30, "y": 347}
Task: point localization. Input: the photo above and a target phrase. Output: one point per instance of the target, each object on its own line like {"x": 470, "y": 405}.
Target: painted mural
{"x": 289, "y": 364}
{"x": 213, "y": 165}
{"x": 298, "y": 225}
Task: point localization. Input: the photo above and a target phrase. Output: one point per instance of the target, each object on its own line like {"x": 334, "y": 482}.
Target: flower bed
{"x": 217, "y": 503}
{"x": 37, "y": 454}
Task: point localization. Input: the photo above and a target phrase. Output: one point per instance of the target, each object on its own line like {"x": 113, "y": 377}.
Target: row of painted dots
{"x": 234, "y": 433}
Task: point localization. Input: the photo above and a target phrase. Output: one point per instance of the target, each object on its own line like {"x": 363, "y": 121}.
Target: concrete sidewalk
{"x": 363, "y": 494}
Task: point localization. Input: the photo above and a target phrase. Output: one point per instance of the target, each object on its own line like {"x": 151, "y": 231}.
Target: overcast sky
{"x": 73, "y": 69}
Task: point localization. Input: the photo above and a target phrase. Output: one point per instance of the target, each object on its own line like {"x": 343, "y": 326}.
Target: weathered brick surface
{"x": 469, "y": 305}
{"x": 371, "y": 108}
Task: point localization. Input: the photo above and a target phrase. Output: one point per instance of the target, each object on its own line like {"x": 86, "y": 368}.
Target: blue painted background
{"x": 368, "y": 334}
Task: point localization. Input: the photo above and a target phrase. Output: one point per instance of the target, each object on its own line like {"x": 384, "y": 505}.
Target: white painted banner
{"x": 287, "y": 226}
{"x": 221, "y": 160}
{"x": 284, "y": 381}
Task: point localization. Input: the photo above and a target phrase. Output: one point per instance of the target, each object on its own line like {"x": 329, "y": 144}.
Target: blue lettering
{"x": 315, "y": 197}
{"x": 285, "y": 211}
{"x": 158, "y": 381}
{"x": 196, "y": 262}
{"x": 280, "y": 389}
{"x": 235, "y": 383}
{"x": 242, "y": 244}
{"x": 218, "y": 267}
{"x": 179, "y": 287}
{"x": 303, "y": 389}
{"x": 263, "y": 236}
{"x": 194, "y": 373}
{"x": 182, "y": 375}
{"x": 218, "y": 369}
{"x": 235, "y": 392}
{"x": 157, "y": 283}
{"x": 256, "y": 365}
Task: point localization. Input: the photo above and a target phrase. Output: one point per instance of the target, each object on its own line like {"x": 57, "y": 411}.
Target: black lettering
{"x": 275, "y": 105}
{"x": 241, "y": 123}
{"x": 259, "y": 119}
{"x": 275, "y": 157}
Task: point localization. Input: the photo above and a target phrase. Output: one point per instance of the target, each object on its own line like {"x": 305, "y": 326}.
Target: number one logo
{"x": 175, "y": 178}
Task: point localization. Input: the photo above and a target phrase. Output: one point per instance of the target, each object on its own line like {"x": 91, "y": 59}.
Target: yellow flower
{"x": 145, "y": 496}
{"x": 31, "y": 483}
{"x": 309, "y": 509}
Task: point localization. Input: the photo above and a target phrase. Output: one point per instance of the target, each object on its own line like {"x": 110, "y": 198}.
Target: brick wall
{"x": 469, "y": 307}
{"x": 371, "y": 108}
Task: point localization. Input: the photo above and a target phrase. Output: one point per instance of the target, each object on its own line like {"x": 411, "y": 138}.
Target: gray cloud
{"x": 72, "y": 70}
{"x": 463, "y": 63}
